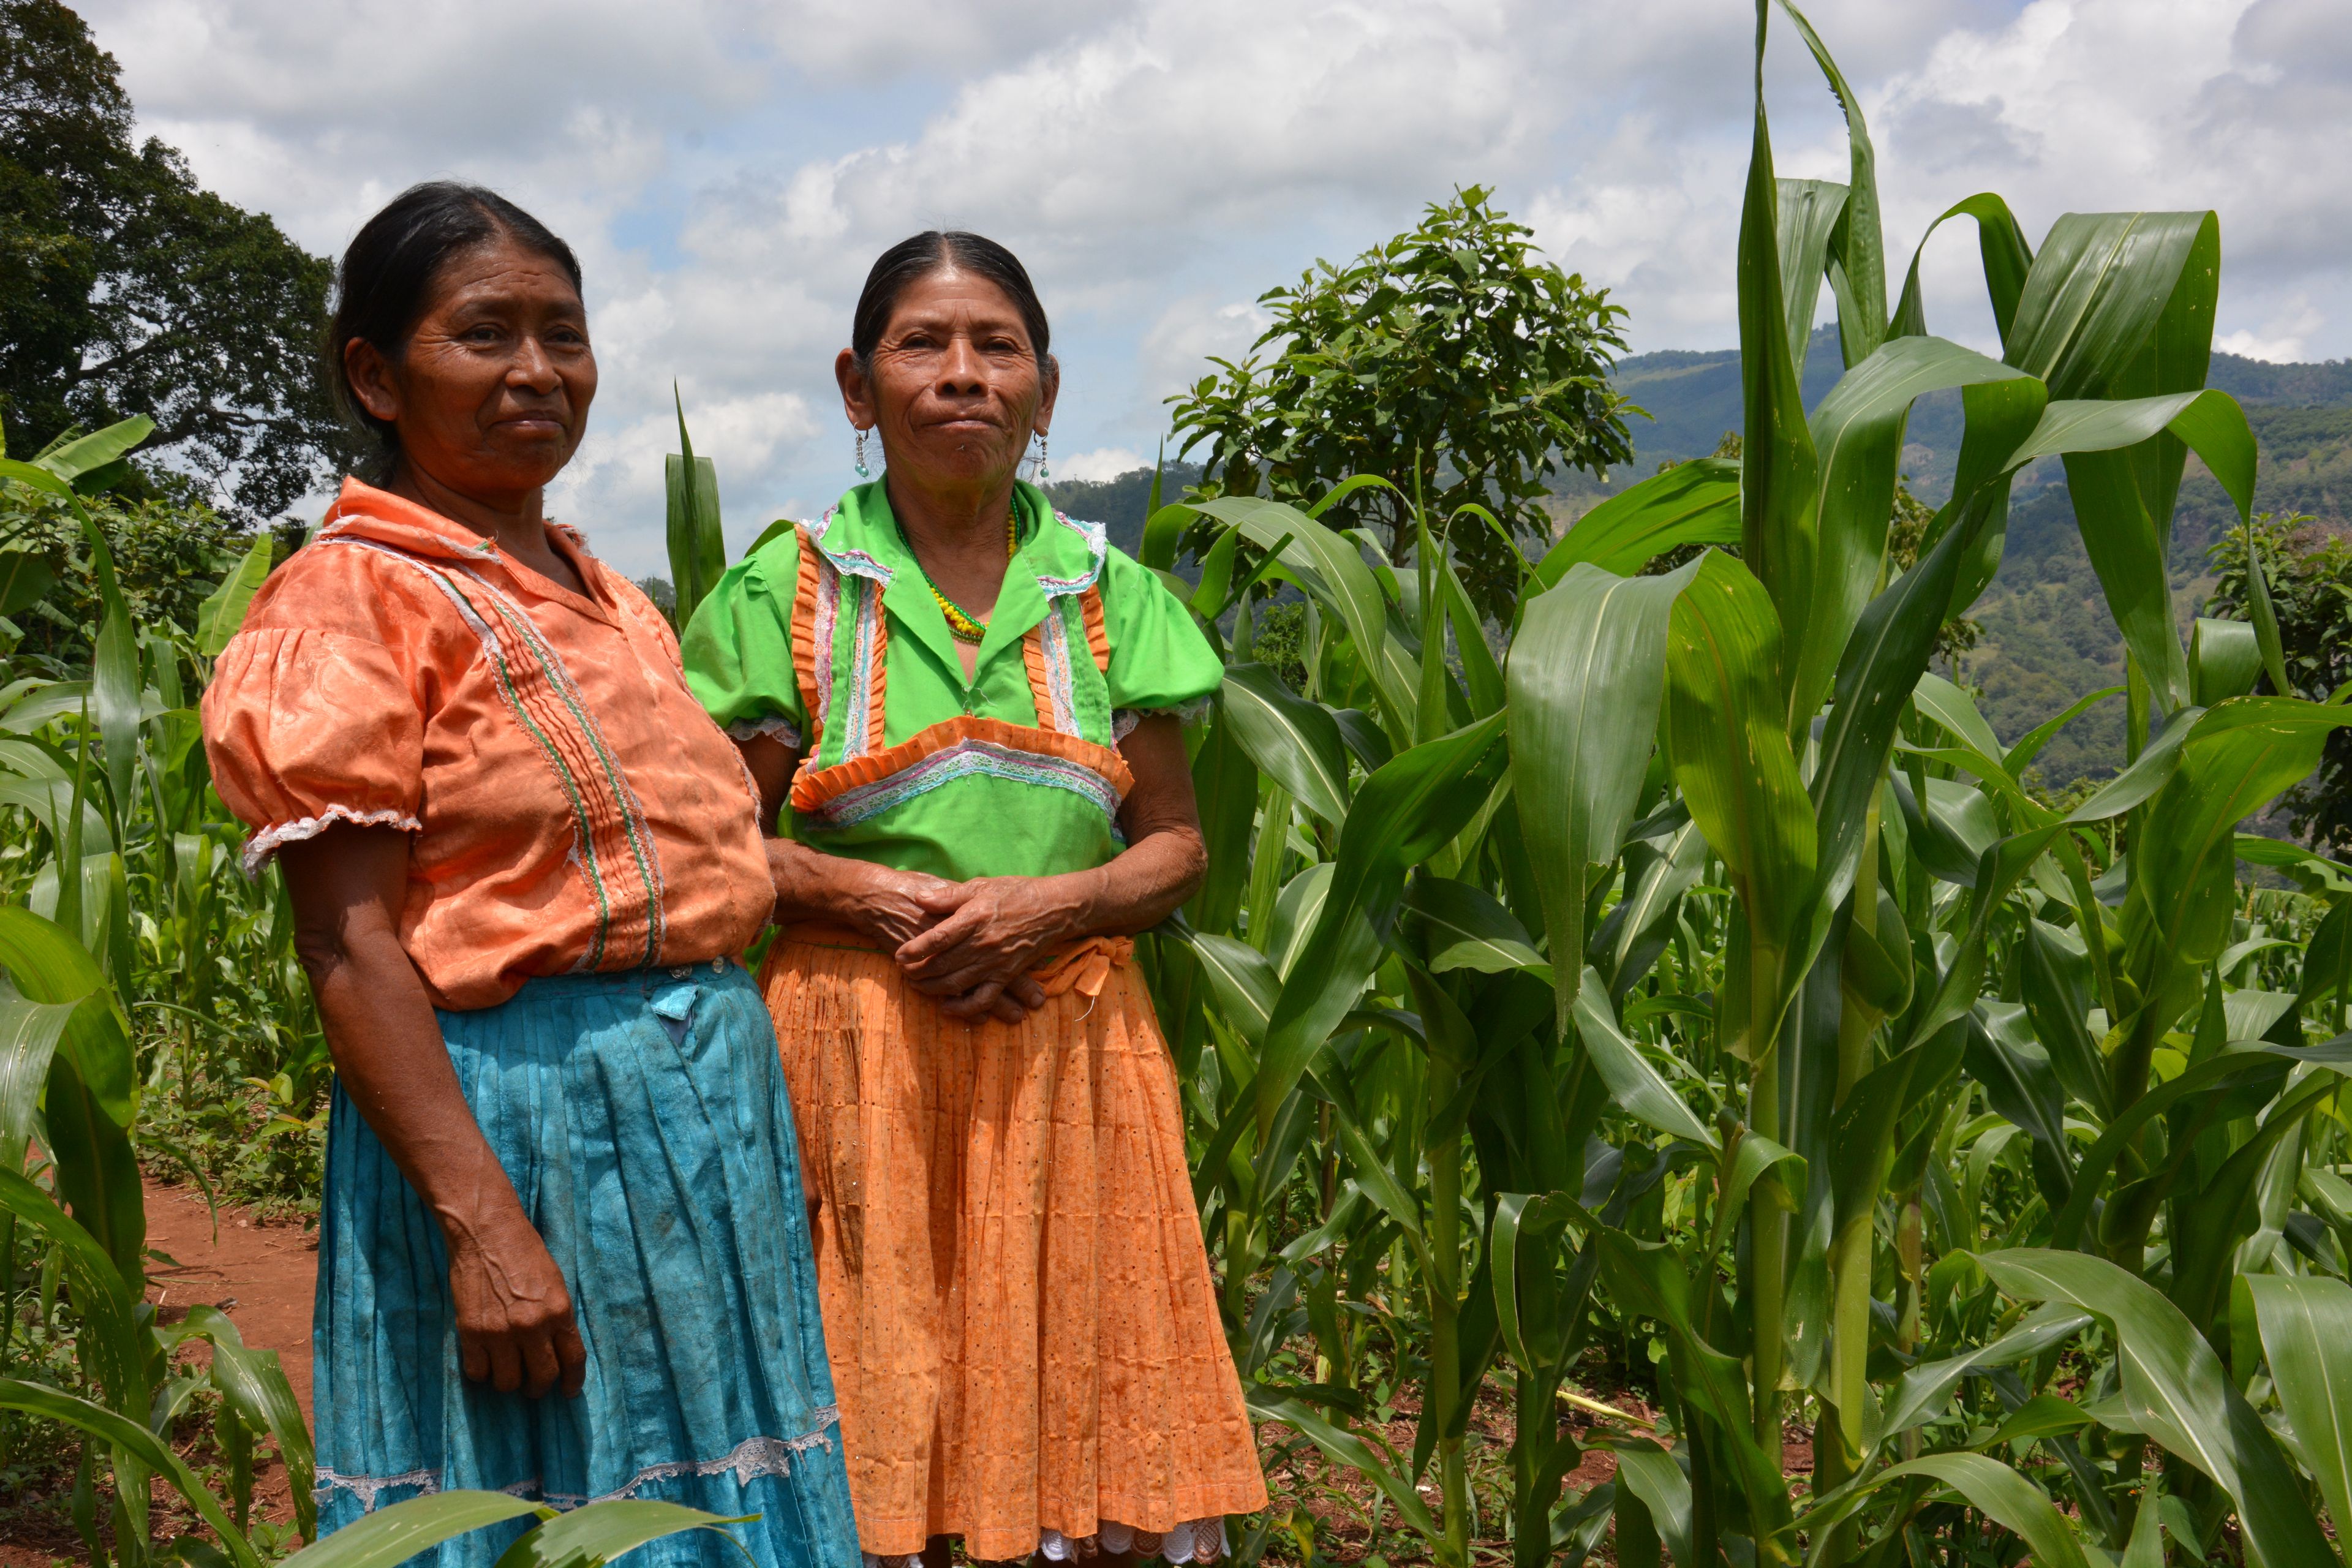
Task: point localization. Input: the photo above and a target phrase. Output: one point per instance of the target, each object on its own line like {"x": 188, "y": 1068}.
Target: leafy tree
{"x": 2310, "y": 576}
{"x": 169, "y": 554}
{"x": 125, "y": 288}
{"x": 1450, "y": 358}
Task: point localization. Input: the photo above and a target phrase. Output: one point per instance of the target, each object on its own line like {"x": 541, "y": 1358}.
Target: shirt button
{"x": 681, "y": 971}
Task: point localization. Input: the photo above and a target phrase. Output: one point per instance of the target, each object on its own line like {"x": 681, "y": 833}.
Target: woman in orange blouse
{"x": 521, "y": 860}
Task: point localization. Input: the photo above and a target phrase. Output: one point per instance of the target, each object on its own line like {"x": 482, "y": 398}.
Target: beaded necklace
{"x": 964, "y": 625}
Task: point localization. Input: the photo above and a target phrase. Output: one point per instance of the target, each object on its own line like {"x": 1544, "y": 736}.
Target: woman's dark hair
{"x": 388, "y": 271}
{"x": 916, "y": 258}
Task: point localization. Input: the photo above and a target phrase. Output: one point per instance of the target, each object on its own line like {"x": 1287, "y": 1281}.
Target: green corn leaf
{"x": 392, "y": 1535}
{"x": 1293, "y": 742}
{"x": 2306, "y": 1329}
{"x": 1726, "y": 721}
{"x": 1654, "y": 1282}
{"x": 1650, "y": 1473}
{"x": 1779, "y": 470}
{"x": 2244, "y": 1061}
{"x": 2097, "y": 288}
{"x": 1939, "y": 701}
{"x": 1331, "y": 570}
{"x": 1919, "y": 1394}
{"x": 2178, "y": 1392}
{"x": 131, "y": 1437}
{"x": 253, "y": 1384}
{"x": 1242, "y": 981}
{"x": 98, "y": 450}
{"x": 592, "y": 1536}
{"x": 2028, "y": 746}
{"x": 1465, "y": 927}
{"x": 698, "y": 541}
{"x": 1690, "y": 503}
{"x": 49, "y": 965}
{"x": 112, "y": 1341}
{"x": 1637, "y": 1087}
{"x": 29, "y": 1033}
{"x": 2237, "y": 758}
{"x": 2004, "y": 1496}
{"x": 1346, "y": 1449}
{"x": 2006, "y": 261}
{"x": 1809, "y": 213}
{"x": 223, "y": 611}
{"x": 1858, "y": 252}
{"x": 2056, "y": 983}
{"x": 26, "y": 579}
{"x": 1587, "y": 671}
{"x": 1858, "y": 433}
{"x": 1401, "y": 815}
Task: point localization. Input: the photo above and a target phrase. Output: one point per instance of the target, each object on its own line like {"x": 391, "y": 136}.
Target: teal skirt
{"x": 643, "y": 1121}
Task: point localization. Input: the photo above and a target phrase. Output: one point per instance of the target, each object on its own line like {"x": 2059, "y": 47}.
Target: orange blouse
{"x": 574, "y": 808}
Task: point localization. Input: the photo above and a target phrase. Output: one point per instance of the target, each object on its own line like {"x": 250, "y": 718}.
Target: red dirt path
{"x": 262, "y": 1277}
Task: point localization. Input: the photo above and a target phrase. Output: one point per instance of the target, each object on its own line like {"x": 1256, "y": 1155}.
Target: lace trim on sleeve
{"x": 779, "y": 728}
{"x": 1123, "y": 721}
{"x": 263, "y": 845}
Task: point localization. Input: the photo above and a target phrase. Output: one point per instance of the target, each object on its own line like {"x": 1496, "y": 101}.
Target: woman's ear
{"x": 372, "y": 380}
{"x": 856, "y": 392}
{"x": 1049, "y": 388}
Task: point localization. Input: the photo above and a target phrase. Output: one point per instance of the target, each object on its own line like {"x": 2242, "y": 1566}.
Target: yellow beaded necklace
{"x": 964, "y": 625}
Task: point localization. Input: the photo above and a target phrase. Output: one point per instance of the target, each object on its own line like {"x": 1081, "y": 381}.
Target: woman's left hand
{"x": 979, "y": 957}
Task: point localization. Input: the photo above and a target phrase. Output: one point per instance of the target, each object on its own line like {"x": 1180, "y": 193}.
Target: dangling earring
{"x": 1044, "y": 473}
{"x": 863, "y": 471}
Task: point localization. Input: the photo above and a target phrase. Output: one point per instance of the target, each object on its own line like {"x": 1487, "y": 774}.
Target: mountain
{"x": 2048, "y": 637}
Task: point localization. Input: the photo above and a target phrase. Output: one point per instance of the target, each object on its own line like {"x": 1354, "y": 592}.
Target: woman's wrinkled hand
{"x": 514, "y": 1323}
{"x": 979, "y": 958}
{"x": 894, "y": 907}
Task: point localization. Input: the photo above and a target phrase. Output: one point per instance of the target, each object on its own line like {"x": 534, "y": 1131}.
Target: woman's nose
{"x": 532, "y": 367}
{"x": 960, "y": 368}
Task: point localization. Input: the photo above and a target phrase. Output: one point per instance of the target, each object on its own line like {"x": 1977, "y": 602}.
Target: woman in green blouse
{"x": 971, "y": 704}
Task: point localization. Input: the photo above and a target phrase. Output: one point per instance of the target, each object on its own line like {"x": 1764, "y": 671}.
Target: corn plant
{"x": 1702, "y": 969}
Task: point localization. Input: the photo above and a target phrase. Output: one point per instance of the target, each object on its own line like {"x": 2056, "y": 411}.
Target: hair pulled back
{"x": 916, "y": 257}
{"x": 386, "y": 276}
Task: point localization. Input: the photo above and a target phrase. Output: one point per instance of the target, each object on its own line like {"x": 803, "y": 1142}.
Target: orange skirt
{"x": 1024, "y": 1337}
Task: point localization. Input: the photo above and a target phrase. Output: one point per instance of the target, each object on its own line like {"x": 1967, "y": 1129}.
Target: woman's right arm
{"x": 515, "y": 1324}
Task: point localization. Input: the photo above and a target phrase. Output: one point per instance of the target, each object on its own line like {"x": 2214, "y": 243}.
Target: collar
{"x": 1057, "y": 557}
{"x": 363, "y": 511}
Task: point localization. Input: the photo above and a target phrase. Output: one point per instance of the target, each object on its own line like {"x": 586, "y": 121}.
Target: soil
{"x": 262, "y": 1275}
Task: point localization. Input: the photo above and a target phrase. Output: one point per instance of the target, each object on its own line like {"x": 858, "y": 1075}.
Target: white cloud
{"x": 729, "y": 169}
{"x": 1102, "y": 463}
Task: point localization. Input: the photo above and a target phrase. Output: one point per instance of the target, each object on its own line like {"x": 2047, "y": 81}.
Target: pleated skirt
{"x": 644, "y": 1123}
{"x": 1025, "y": 1333}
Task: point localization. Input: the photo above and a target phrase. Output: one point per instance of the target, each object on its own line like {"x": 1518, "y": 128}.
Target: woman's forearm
{"x": 813, "y": 886}
{"x": 1141, "y": 887}
{"x": 389, "y": 1052}
{"x": 386, "y": 1042}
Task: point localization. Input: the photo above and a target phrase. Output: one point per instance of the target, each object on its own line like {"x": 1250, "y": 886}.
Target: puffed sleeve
{"x": 305, "y": 727}
{"x": 1159, "y": 662}
{"x": 739, "y": 647}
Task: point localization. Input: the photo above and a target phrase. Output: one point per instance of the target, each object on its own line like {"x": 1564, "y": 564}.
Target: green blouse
{"x": 827, "y": 637}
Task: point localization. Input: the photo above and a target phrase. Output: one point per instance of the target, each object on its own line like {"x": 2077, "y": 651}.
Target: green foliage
{"x": 1450, "y": 362}
{"x": 2310, "y": 589}
{"x": 168, "y": 555}
{"x": 1761, "y": 1012}
{"x": 126, "y": 288}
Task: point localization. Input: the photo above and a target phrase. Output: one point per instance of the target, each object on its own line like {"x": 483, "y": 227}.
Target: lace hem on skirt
{"x": 1195, "y": 1540}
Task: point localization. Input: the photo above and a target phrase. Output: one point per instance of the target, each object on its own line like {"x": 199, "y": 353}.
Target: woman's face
{"x": 491, "y": 395}
{"x": 953, "y": 387}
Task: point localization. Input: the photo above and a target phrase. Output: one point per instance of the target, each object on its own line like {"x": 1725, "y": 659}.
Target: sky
{"x": 728, "y": 171}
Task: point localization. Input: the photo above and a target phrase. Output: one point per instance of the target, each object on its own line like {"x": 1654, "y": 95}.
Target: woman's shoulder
{"x": 336, "y": 586}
